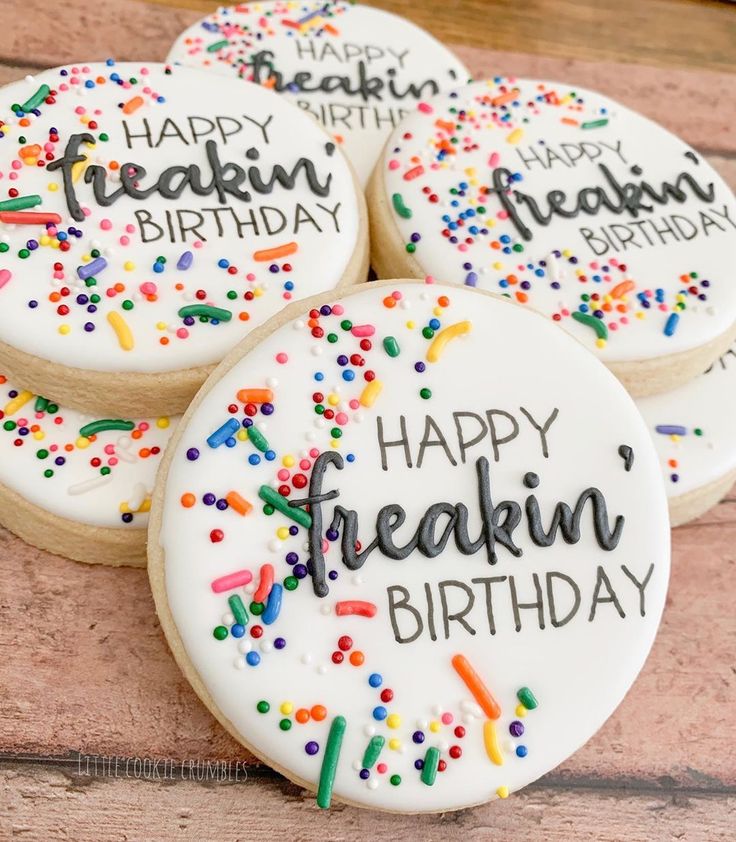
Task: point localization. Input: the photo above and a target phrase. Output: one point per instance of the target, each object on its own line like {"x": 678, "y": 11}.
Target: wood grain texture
{"x": 84, "y": 666}
{"x": 49, "y": 804}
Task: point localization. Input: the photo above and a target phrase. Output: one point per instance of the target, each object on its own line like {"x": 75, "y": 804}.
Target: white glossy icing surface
{"x": 157, "y": 119}
{"x": 654, "y": 275}
{"x": 103, "y": 479}
{"x": 694, "y": 428}
{"x": 578, "y": 670}
{"x": 375, "y": 65}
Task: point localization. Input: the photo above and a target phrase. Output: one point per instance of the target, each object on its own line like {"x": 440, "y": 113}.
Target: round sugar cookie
{"x": 77, "y": 485}
{"x": 694, "y": 431}
{"x": 356, "y": 69}
{"x": 150, "y": 217}
{"x": 479, "y": 575}
{"x": 573, "y": 205}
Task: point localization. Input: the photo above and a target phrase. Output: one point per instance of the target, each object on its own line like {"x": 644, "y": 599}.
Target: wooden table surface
{"x": 100, "y": 736}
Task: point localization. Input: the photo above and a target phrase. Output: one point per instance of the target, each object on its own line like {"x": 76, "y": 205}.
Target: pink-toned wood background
{"x": 84, "y": 668}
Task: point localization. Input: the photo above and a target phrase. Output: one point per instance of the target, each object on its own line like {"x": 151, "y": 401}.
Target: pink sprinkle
{"x": 624, "y": 320}
{"x": 197, "y": 244}
{"x": 338, "y": 309}
{"x": 112, "y": 461}
{"x": 503, "y": 214}
{"x": 109, "y": 449}
{"x": 105, "y": 224}
{"x": 79, "y": 110}
{"x": 250, "y": 277}
{"x": 54, "y": 447}
{"x": 5, "y": 276}
{"x": 282, "y": 358}
{"x": 232, "y": 581}
{"x": 341, "y": 418}
{"x": 447, "y": 718}
{"x": 130, "y": 229}
{"x": 381, "y": 768}
{"x": 396, "y": 295}
{"x": 413, "y": 173}
{"x": 361, "y": 330}
{"x": 182, "y": 333}
{"x": 13, "y": 176}
{"x": 494, "y": 159}
{"x": 354, "y": 404}
{"x": 16, "y": 165}
{"x": 425, "y": 108}
{"x": 314, "y": 453}
{"x": 613, "y": 326}
{"x": 144, "y": 426}
{"x": 305, "y": 464}
{"x": 429, "y": 279}
{"x": 124, "y": 241}
{"x": 283, "y": 475}
{"x": 393, "y": 164}
{"x": 148, "y": 288}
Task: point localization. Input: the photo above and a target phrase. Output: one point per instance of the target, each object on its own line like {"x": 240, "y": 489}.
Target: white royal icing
{"x": 99, "y": 479}
{"x": 694, "y": 428}
{"x": 345, "y": 363}
{"x": 658, "y": 293}
{"x": 374, "y": 65}
{"x": 159, "y": 118}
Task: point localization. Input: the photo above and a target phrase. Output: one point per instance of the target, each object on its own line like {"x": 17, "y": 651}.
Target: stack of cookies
{"x": 407, "y": 539}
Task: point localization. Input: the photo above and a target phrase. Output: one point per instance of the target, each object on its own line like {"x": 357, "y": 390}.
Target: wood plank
{"x": 41, "y": 803}
{"x": 84, "y": 666}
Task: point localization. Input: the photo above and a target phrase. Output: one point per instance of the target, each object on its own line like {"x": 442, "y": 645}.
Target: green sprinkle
{"x": 400, "y": 207}
{"x": 9, "y": 425}
{"x": 336, "y": 432}
{"x": 21, "y": 203}
{"x": 346, "y": 324}
{"x": 291, "y": 583}
{"x": 42, "y": 454}
{"x": 105, "y": 424}
{"x": 41, "y": 404}
{"x": 105, "y": 471}
{"x": 527, "y": 698}
{"x": 285, "y": 724}
{"x": 272, "y": 497}
{"x": 425, "y": 394}
{"x": 52, "y": 408}
{"x": 238, "y": 609}
{"x": 427, "y": 332}
{"x": 431, "y": 762}
{"x": 231, "y": 294}
{"x": 372, "y": 751}
{"x": 128, "y": 304}
{"x": 332, "y": 338}
{"x": 395, "y": 780}
{"x": 4, "y": 247}
{"x": 24, "y": 253}
{"x": 205, "y": 310}
{"x": 698, "y": 431}
{"x": 411, "y": 248}
{"x": 36, "y": 99}
{"x": 48, "y": 473}
{"x": 329, "y": 762}
{"x": 104, "y": 137}
{"x": 391, "y": 346}
{"x": 595, "y": 124}
{"x": 257, "y": 439}
{"x": 218, "y": 45}
{"x": 219, "y": 633}
{"x": 256, "y": 608}
{"x": 598, "y": 325}
{"x": 263, "y": 706}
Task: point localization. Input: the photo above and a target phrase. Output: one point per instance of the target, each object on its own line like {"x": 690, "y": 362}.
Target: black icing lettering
{"x": 463, "y": 443}
{"x": 488, "y": 582}
{"x": 517, "y": 607}
{"x": 430, "y": 426}
{"x": 402, "y": 442}
{"x": 556, "y": 620}
{"x": 497, "y": 440}
{"x": 544, "y": 429}
{"x": 456, "y": 616}
{"x": 600, "y": 581}
{"x": 640, "y": 586}
{"x": 403, "y": 603}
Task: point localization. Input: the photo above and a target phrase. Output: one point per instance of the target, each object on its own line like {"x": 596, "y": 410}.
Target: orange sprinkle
{"x": 502, "y": 99}
{"x": 144, "y": 452}
{"x": 265, "y": 255}
{"x": 3, "y": 379}
{"x": 164, "y": 340}
{"x": 445, "y": 124}
{"x": 113, "y": 165}
{"x": 319, "y": 712}
{"x": 32, "y": 151}
{"x": 188, "y": 500}
{"x": 255, "y": 396}
{"x": 302, "y": 716}
{"x": 269, "y": 83}
{"x": 136, "y": 434}
{"x": 569, "y": 121}
{"x": 328, "y": 27}
{"x": 238, "y": 503}
{"x": 119, "y": 287}
{"x": 512, "y": 279}
{"x": 474, "y": 683}
{"x": 621, "y": 289}
{"x": 443, "y": 301}
{"x": 521, "y": 297}
{"x": 243, "y": 316}
{"x": 132, "y": 105}
{"x": 389, "y": 301}
{"x": 357, "y": 658}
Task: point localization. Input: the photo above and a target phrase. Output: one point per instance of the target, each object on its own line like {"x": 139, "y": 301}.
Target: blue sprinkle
{"x": 671, "y": 325}
{"x": 273, "y": 606}
{"x": 185, "y": 261}
{"x": 253, "y": 659}
{"x": 221, "y": 435}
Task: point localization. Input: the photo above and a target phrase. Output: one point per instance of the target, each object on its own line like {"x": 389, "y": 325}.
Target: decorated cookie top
{"x": 694, "y": 427}
{"x": 571, "y": 204}
{"x": 437, "y": 558}
{"x": 357, "y": 69}
{"x": 97, "y": 471}
{"x": 151, "y": 217}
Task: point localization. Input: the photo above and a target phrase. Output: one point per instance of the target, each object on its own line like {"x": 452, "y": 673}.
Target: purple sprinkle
{"x": 185, "y": 260}
{"x": 192, "y": 454}
{"x": 311, "y": 747}
{"x": 90, "y": 269}
{"x": 516, "y": 729}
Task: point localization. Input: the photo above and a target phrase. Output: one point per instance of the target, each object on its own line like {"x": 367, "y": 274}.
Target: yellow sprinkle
{"x": 286, "y": 708}
{"x": 52, "y": 188}
{"x": 600, "y": 343}
{"x": 78, "y": 170}
{"x": 502, "y": 792}
{"x": 434, "y": 726}
{"x": 335, "y": 443}
{"x": 86, "y": 258}
{"x": 370, "y": 393}
{"x": 394, "y": 744}
{"x": 515, "y": 136}
{"x": 498, "y": 265}
{"x": 288, "y": 461}
{"x": 257, "y": 292}
{"x": 675, "y": 438}
{"x": 520, "y": 711}
{"x": 39, "y": 435}
{"x": 129, "y": 266}
{"x": 160, "y": 325}
{"x": 490, "y": 738}
{"x": 411, "y": 325}
{"x": 144, "y": 507}
{"x": 640, "y": 314}
{"x": 434, "y": 352}
{"x": 163, "y": 423}
{"x": 21, "y": 399}
{"x": 333, "y": 399}
{"x": 566, "y": 253}
{"x": 64, "y": 329}
{"x": 393, "y": 720}
{"x": 122, "y": 331}
{"x": 437, "y": 311}
{"x": 282, "y": 533}
{"x": 55, "y": 244}
{"x": 45, "y": 240}
{"x": 82, "y": 443}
